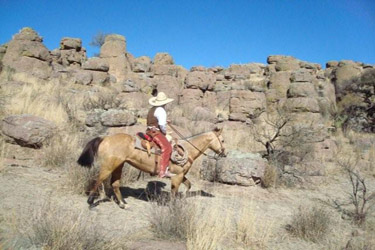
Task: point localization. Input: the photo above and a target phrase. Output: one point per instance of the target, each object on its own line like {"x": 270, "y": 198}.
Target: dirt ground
{"x": 24, "y": 183}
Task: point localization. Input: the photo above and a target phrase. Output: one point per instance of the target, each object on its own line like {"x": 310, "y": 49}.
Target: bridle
{"x": 221, "y": 154}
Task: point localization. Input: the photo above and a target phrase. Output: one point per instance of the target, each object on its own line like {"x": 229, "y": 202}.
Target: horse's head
{"x": 217, "y": 143}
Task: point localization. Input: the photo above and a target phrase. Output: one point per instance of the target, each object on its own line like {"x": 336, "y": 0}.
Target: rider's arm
{"x": 161, "y": 115}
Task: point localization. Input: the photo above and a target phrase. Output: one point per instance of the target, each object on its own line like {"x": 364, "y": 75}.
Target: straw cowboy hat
{"x": 160, "y": 100}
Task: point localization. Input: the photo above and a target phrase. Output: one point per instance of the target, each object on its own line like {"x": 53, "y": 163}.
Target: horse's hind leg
{"x": 103, "y": 174}
{"x": 115, "y": 181}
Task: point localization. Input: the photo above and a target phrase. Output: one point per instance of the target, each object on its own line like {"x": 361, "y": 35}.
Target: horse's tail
{"x": 88, "y": 154}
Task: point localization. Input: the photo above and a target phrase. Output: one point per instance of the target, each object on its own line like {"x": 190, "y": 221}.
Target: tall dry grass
{"x": 203, "y": 224}
{"x": 49, "y": 226}
{"x": 310, "y": 223}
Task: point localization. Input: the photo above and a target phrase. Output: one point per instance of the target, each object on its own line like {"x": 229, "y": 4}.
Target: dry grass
{"x": 48, "y": 226}
{"x": 211, "y": 225}
{"x": 251, "y": 229}
{"x": 310, "y": 223}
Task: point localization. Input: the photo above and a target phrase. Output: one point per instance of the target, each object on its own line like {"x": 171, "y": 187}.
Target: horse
{"x": 111, "y": 152}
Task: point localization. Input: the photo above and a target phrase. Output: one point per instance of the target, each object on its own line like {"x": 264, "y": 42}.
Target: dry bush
{"x": 310, "y": 223}
{"x": 216, "y": 225}
{"x": 48, "y": 226}
{"x": 61, "y": 150}
{"x": 171, "y": 219}
{"x": 252, "y": 230}
{"x": 360, "y": 197}
{"x": 271, "y": 176}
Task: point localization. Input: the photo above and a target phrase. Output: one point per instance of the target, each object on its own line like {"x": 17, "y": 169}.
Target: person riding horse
{"x": 157, "y": 129}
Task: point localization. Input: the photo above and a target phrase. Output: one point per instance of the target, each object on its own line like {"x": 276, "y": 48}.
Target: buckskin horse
{"x": 111, "y": 152}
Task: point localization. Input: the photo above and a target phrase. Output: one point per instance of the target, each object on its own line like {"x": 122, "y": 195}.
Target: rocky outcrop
{"x": 237, "y": 169}
{"x": 114, "y": 53}
{"x": 26, "y": 56}
{"x": 28, "y": 130}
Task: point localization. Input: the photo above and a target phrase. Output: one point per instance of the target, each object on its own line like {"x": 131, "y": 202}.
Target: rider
{"x": 157, "y": 129}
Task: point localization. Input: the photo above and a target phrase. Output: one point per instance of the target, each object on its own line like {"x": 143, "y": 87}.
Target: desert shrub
{"x": 61, "y": 150}
{"x": 271, "y": 176}
{"x": 102, "y": 98}
{"x": 250, "y": 229}
{"x": 360, "y": 197}
{"x": 356, "y": 103}
{"x": 212, "y": 225}
{"x": 48, "y": 226}
{"x": 171, "y": 219}
{"x": 310, "y": 223}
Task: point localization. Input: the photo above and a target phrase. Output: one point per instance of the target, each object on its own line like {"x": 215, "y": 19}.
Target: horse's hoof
{"x": 122, "y": 206}
{"x": 90, "y": 200}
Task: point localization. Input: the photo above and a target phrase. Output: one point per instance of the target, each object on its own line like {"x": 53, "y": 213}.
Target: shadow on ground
{"x": 153, "y": 192}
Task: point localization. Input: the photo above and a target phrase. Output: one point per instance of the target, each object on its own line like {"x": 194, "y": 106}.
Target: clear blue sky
{"x": 206, "y": 32}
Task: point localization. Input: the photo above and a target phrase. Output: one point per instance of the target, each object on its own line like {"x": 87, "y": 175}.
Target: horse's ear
{"x": 218, "y": 130}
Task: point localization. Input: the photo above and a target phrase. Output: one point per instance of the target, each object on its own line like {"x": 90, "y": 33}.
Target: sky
{"x": 206, "y": 32}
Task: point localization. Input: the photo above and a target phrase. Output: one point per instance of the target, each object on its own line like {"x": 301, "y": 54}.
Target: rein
{"x": 184, "y": 138}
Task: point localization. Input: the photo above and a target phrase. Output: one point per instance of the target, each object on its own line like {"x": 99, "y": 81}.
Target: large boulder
{"x": 117, "y": 118}
{"x": 301, "y": 89}
{"x": 280, "y": 81}
{"x": 302, "y": 104}
{"x": 245, "y": 169}
{"x": 67, "y": 43}
{"x": 163, "y": 59}
{"x": 284, "y": 63}
{"x": 114, "y": 52}
{"x": 28, "y": 130}
{"x": 26, "y": 55}
{"x": 246, "y": 104}
{"x": 142, "y": 64}
{"x": 344, "y": 74}
{"x": 200, "y": 79}
{"x": 96, "y": 64}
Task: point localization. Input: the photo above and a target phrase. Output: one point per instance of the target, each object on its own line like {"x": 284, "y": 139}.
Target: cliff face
{"x": 244, "y": 97}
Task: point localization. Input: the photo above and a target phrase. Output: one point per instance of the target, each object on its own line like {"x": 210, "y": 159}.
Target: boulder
{"x": 280, "y": 81}
{"x": 201, "y": 80}
{"x": 302, "y": 104}
{"x": 191, "y": 97}
{"x": 332, "y": 64}
{"x": 114, "y": 53}
{"x": 116, "y": 118}
{"x": 96, "y": 64}
{"x": 68, "y": 43}
{"x": 163, "y": 59}
{"x": 344, "y": 74}
{"x": 244, "y": 169}
{"x": 302, "y": 75}
{"x": 114, "y": 45}
{"x": 28, "y": 130}
{"x": 26, "y": 54}
{"x": 284, "y": 63}
{"x": 83, "y": 77}
{"x": 71, "y": 56}
{"x": 301, "y": 89}
{"x": 246, "y": 104}
{"x": 142, "y": 64}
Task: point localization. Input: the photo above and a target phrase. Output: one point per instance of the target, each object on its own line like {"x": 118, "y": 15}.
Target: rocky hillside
{"x": 289, "y": 125}
{"x": 250, "y": 101}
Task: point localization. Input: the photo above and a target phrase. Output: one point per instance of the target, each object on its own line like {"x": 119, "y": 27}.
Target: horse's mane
{"x": 193, "y": 136}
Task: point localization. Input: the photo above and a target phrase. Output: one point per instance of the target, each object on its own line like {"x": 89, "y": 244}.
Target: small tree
{"x": 99, "y": 39}
{"x": 360, "y": 197}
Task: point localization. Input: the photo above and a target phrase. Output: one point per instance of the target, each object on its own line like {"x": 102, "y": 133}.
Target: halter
{"x": 209, "y": 156}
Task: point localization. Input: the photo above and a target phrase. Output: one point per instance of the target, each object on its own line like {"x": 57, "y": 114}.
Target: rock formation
{"x": 240, "y": 98}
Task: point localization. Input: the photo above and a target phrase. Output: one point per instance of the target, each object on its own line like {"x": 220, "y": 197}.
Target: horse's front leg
{"x": 115, "y": 181}
{"x": 175, "y": 184}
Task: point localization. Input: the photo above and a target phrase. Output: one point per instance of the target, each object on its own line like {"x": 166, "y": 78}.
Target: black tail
{"x": 88, "y": 154}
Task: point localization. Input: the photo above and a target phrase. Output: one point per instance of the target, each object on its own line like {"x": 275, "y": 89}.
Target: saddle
{"x": 144, "y": 142}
